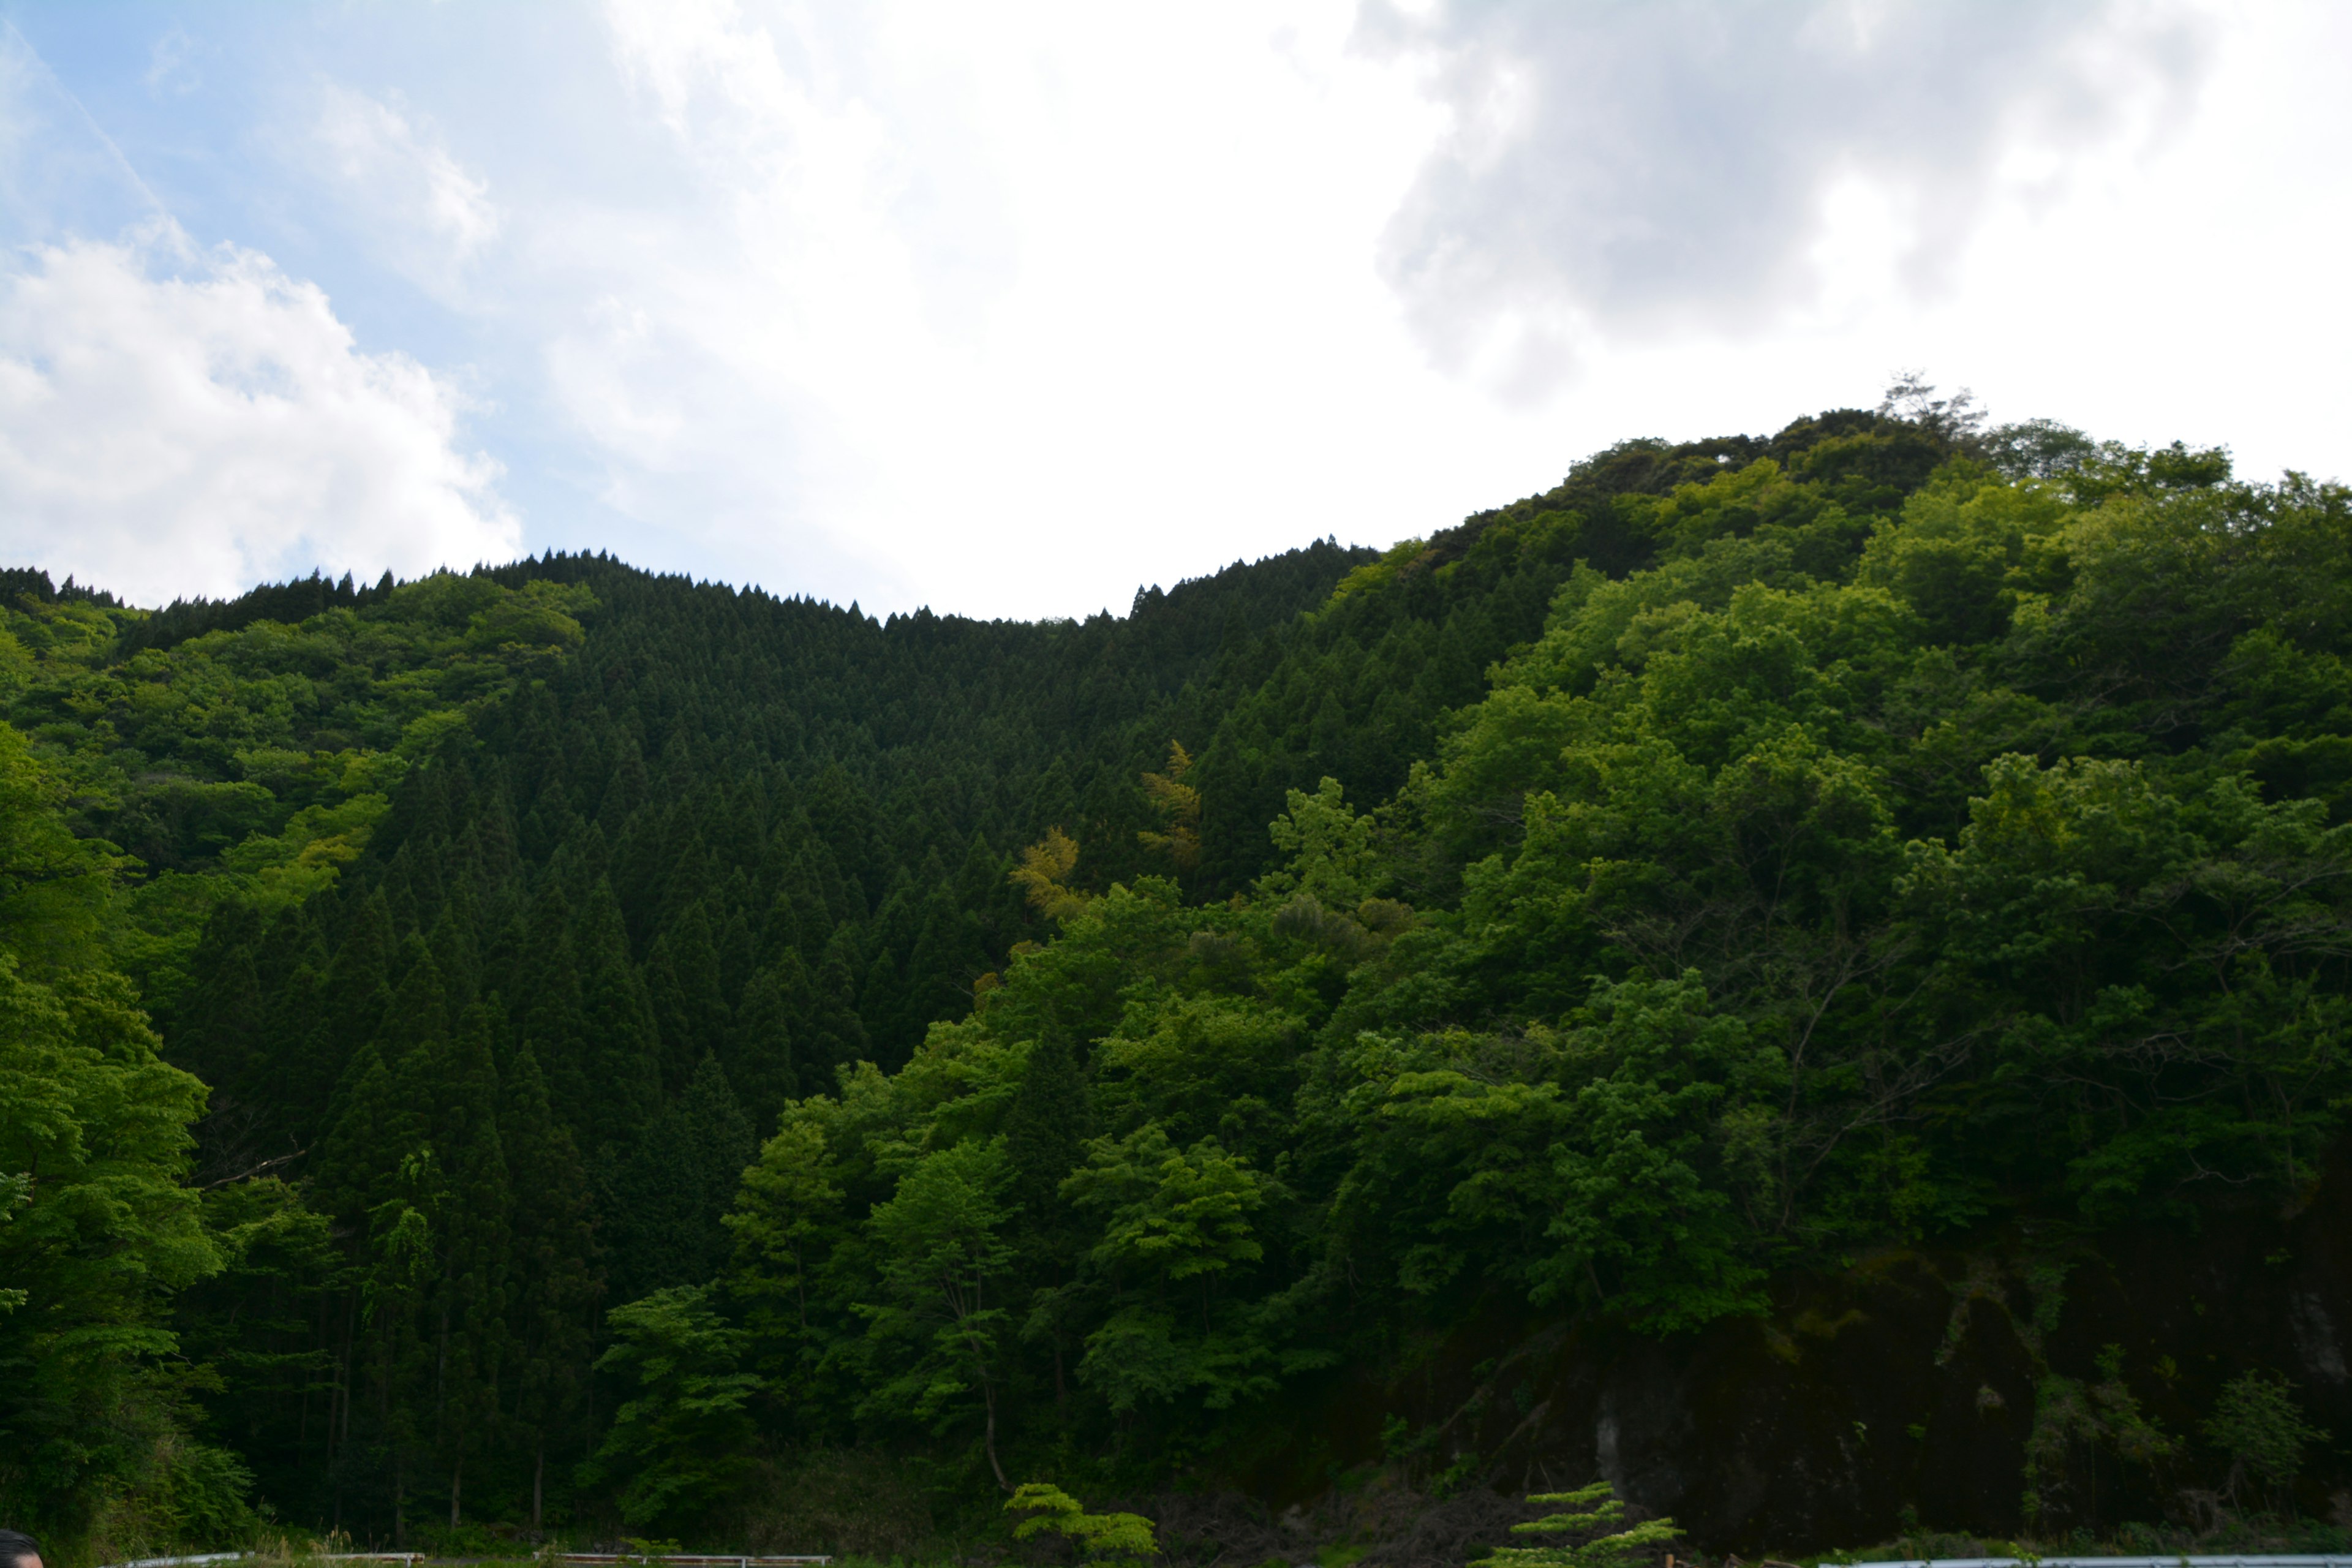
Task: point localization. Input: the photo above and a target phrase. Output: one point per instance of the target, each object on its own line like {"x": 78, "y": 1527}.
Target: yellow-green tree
{"x": 1110, "y": 1540}
{"x": 1043, "y": 876}
{"x": 1178, "y": 805}
{"x": 1590, "y": 1512}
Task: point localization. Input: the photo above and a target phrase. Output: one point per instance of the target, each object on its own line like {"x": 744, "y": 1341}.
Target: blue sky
{"x": 1009, "y": 310}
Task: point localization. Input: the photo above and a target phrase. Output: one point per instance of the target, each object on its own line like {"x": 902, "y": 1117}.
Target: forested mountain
{"x": 565, "y": 1047}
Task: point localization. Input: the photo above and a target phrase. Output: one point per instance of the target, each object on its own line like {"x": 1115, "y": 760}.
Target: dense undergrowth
{"x": 590, "y": 1052}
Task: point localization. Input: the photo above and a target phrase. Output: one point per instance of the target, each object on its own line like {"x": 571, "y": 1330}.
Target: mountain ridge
{"x": 657, "y": 1043}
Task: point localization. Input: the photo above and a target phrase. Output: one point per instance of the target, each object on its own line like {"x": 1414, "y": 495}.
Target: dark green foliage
{"x": 628, "y": 1047}
{"x": 504, "y": 914}
{"x": 1853, "y": 874}
{"x": 553, "y": 1284}
{"x": 664, "y": 1194}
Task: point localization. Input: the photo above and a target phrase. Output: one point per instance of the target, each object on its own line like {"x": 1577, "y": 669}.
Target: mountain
{"x": 1804, "y": 977}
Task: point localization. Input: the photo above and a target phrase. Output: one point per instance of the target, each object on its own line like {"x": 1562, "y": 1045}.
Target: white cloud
{"x": 1616, "y": 172}
{"x": 430, "y": 215}
{"x": 750, "y": 350}
{"x": 997, "y": 315}
{"x": 170, "y": 68}
{"x": 175, "y": 423}
{"x": 1006, "y": 310}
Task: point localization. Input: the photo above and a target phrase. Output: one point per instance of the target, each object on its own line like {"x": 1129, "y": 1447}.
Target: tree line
{"x": 601, "y": 1033}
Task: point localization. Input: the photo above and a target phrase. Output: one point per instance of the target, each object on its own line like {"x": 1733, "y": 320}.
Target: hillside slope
{"x": 1748, "y": 942}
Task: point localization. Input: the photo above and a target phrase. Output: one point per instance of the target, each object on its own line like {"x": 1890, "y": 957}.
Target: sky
{"x": 1011, "y": 309}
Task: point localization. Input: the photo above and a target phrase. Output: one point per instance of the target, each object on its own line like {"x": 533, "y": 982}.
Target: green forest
{"x": 562, "y": 1052}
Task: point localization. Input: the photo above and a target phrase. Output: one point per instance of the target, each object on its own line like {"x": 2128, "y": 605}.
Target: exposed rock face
{"x": 1960, "y": 1388}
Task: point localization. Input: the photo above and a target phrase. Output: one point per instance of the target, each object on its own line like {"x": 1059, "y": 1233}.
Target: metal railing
{"x": 694, "y": 1560}
{"x": 2250, "y": 1560}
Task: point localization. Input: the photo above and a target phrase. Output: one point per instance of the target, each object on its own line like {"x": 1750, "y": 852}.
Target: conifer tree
{"x": 1460, "y": 1099}
{"x": 943, "y": 961}
{"x": 553, "y": 1281}
{"x": 661, "y": 1201}
{"x": 218, "y": 1024}
{"x": 389, "y": 1184}
{"x": 738, "y": 953}
{"x": 469, "y": 1303}
{"x": 287, "y": 1078}
{"x": 719, "y": 1137}
{"x": 760, "y": 1057}
{"x": 690, "y": 1012}
{"x": 997, "y": 914}
{"x": 836, "y": 1035}
{"x": 550, "y": 1021}
{"x": 354, "y": 999}
{"x": 621, "y": 1085}
{"x": 627, "y": 788}
{"x": 417, "y": 1016}
{"x": 798, "y": 918}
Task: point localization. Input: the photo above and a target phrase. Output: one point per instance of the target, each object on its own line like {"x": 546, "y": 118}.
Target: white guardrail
{"x": 2251, "y": 1560}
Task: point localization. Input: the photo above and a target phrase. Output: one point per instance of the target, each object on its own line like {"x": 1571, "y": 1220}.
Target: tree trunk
{"x": 988, "y": 1440}
{"x": 538, "y": 1477}
{"x": 341, "y": 1399}
{"x": 456, "y": 1471}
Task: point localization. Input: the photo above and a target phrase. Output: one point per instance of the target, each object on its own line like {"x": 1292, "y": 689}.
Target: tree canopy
{"x": 527, "y": 1044}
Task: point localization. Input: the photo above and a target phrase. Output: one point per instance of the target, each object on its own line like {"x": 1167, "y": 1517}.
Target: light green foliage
{"x": 784, "y": 1205}
{"x": 541, "y": 616}
{"x": 1764, "y": 851}
{"x": 1589, "y": 1511}
{"x": 1122, "y": 1539}
{"x": 55, "y": 889}
{"x": 1590, "y": 1162}
{"x": 1634, "y": 1209}
{"x": 93, "y": 1129}
{"x": 258, "y": 761}
{"x": 2258, "y": 1423}
{"x": 305, "y": 857}
{"x": 1174, "y": 1224}
{"x": 2070, "y": 1416}
{"x": 1784, "y": 896}
{"x": 1196, "y": 1065}
{"x": 1968, "y": 553}
{"x": 1329, "y": 849}
{"x": 941, "y": 1244}
{"x": 677, "y": 1443}
{"x": 478, "y": 902}
{"x": 96, "y": 1230}
{"x": 1181, "y": 1215}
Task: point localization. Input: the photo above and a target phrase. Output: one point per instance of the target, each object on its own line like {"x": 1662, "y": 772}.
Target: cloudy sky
{"x": 1007, "y": 309}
